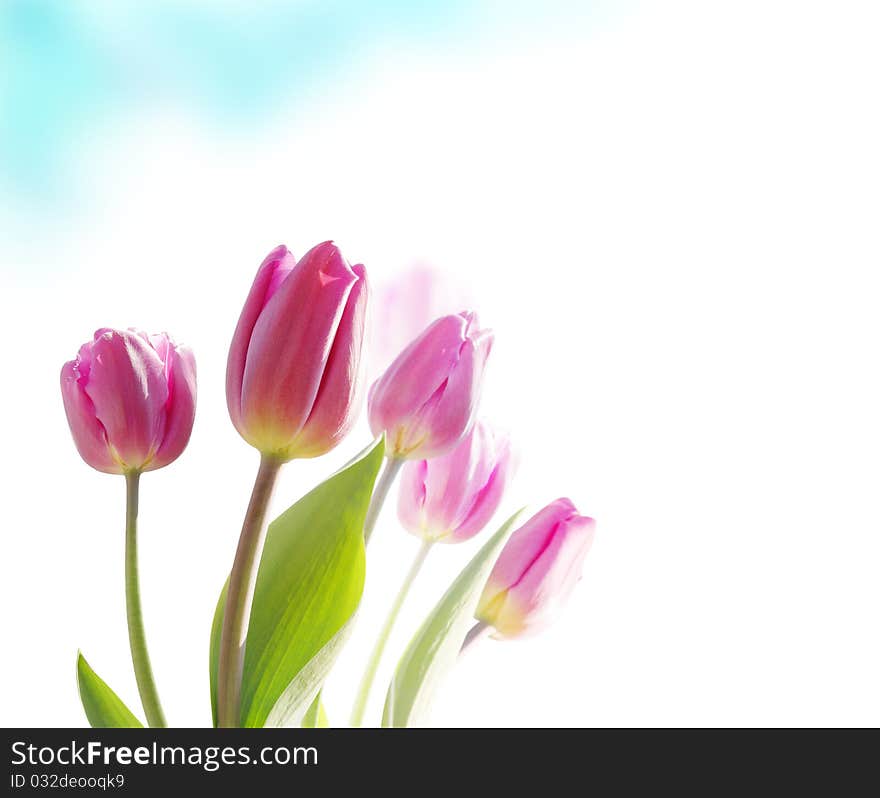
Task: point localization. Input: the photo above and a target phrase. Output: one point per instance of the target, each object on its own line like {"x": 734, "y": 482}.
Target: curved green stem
{"x": 240, "y": 595}
{"x": 383, "y": 485}
{"x": 137, "y": 639}
{"x": 360, "y": 704}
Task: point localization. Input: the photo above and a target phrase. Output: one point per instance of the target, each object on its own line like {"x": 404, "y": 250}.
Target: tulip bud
{"x": 451, "y": 498}
{"x": 293, "y": 374}
{"x": 130, "y": 400}
{"x": 537, "y": 570}
{"x": 426, "y": 400}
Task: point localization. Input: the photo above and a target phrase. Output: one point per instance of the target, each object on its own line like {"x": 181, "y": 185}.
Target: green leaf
{"x": 216, "y": 629}
{"x": 292, "y": 705}
{"x": 308, "y": 588}
{"x": 309, "y": 585}
{"x": 316, "y": 716}
{"x": 103, "y": 707}
{"x": 434, "y": 649}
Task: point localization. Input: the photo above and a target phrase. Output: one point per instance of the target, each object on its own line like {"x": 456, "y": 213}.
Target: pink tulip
{"x": 451, "y": 498}
{"x": 293, "y": 374}
{"x": 130, "y": 400}
{"x": 537, "y": 570}
{"x": 426, "y": 400}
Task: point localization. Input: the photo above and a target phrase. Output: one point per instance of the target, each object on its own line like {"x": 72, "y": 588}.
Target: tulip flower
{"x": 451, "y": 498}
{"x": 425, "y": 403}
{"x": 426, "y": 400}
{"x": 292, "y": 378}
{"x": 537, "y": 570}
{"x": 292, "y": 387}
{"x": 448, "y": 499}
{"x": 130, "y": 400}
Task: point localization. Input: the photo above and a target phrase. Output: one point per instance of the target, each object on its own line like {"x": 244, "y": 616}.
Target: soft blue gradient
{"x": 69, "y": 67}
{"x": 66, "y": 66}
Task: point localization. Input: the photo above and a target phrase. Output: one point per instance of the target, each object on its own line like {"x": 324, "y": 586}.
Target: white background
{"x": 672, "y": 225}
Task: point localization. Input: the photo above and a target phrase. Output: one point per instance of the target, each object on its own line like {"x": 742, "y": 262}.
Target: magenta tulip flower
{"x": 426, "y": 400}
{"x": 293, "y": 384}
{"x": 130, "y": 400}
{"x": 451, "y": 498}
{"x": 293, "y": 374}
{"x": 537, "y": 570}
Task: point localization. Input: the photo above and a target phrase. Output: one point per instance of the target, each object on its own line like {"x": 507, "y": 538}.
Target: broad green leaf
{"x": 292, "y": 705}
{"x": 293, "y": 701}
{"x": 316, "y": 717}
{"x": 216, "y": 629}
{"x": 309, "y": 585}
{"x": 434, "y": 649}
{"x": 308, "y": 588}
{"x": 103, "y": 707}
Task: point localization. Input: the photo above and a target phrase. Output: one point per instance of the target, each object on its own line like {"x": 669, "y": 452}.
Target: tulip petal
{"x": 487, "y": 500}
{"x": 127, "y": 386}
{"x": 452, "y": 497}
{"x": 537, "y": 570}
{"x": 340, "y": 393}
{"x": 470, "y": 472}
{"x": 534, "y": 601}
{"x": 417, "y": 373}
{"x": 527, "y": 543}
{"x": 411, "y": 497}
{"x": 88, "y": 433}
{"x": 441, "y": 423}
{"x": 180, "y": 370}
{"x": 453, "y": 480}
{"x": 290, "y": 345}
{"x": 272, "y": 272}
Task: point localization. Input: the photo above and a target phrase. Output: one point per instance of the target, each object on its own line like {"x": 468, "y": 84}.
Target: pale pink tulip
{"x": 451, "y": 498}
{"x": 537, "y": 570}
{"x": 426, "y": 400}
{"x": 130, "y": 400}
{"x": 294, "y": 374}
{"x": 407, "y": 303}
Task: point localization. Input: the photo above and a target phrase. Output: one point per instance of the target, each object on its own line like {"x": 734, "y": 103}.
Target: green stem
{"x": 240, "y": 595}
{"x": 360, "y": 704}
{"x": 383, "y": 485}
{"x": 137, "y": 639}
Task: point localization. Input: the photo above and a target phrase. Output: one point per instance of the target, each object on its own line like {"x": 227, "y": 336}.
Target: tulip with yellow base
{"x": 536, "y": 572}
{"x": 293, "y": 386}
